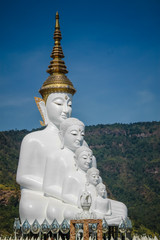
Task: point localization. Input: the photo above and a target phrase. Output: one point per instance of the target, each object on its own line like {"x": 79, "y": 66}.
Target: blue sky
{"x": 112, "y": 52}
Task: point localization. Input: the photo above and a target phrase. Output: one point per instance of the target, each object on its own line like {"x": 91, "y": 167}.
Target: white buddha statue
{"x": 56, "y": 106}
{"x": 101, "y": 204}
{"x": 34, "y": 150}
{"x": 60, "y": 166}
{"x": 93, "y": 179}
{"x": 47, "y": 156}
{"x": 75, "y": 181}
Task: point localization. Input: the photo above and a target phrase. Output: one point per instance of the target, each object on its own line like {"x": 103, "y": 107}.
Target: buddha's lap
{"x": 32, "y": 206}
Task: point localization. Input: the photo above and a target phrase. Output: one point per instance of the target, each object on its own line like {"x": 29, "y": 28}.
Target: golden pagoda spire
{"x": 57, "y": 81}
{"x": 57, "y": 65}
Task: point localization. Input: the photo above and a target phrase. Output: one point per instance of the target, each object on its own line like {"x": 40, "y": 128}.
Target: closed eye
{"x": 59, "y": 104}
{"x": 74, "y": 133}
{"x": 58, "y": 101}
{"x": 70, "y": 104}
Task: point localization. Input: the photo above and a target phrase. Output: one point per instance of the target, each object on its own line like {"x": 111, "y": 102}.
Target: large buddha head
{"x": 58, "y": 107}
{"x": 57, "y": 90}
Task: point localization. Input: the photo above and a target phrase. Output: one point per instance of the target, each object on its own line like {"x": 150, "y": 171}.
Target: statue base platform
{"x": 82, "y": 229}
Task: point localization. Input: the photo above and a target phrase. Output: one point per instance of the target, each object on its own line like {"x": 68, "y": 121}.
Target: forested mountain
{"x": 128, "y": 157}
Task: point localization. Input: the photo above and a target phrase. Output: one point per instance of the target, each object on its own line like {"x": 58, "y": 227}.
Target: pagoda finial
{"x": 57, "y": 81}
{"x": 57, "y": 65}
{"x": 57, "y": 20}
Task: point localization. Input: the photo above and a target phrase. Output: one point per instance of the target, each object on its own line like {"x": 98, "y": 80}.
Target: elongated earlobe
{"x": 106, "y": 195}
{"x": 76, "y": 165}
{"x": 62, "y": 139}
{"x": 62, "y": 144}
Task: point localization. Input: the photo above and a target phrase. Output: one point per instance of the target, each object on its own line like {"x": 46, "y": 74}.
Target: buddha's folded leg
{"x": 118, "y": 208}
{"x": 113, "y": 220}
{"x": 70, "y": 212}
{"x": 32, "y": 206}
{"x": 54, "y": 210}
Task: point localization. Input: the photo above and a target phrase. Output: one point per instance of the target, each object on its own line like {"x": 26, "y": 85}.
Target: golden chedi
{"x": 57, "y": 81}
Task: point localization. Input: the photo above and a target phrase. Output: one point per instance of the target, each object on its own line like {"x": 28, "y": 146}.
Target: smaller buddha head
{"x": 101, "y": 190}
{"x": 72, "y": 133}
{"x": 93, "y": 176}
{"x": 83, "y": 156}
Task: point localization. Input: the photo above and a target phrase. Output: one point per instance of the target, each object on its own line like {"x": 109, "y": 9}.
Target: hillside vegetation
{"x": 128, "y": 157}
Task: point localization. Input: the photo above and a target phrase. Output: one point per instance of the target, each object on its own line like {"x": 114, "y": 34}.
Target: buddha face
{"x": 84, "y": 160}
{"x": 102, "y": 191}
{"x": 73, "y": 137}
{"x": 59, "y": 107}
{"x": 93, "y": 178}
